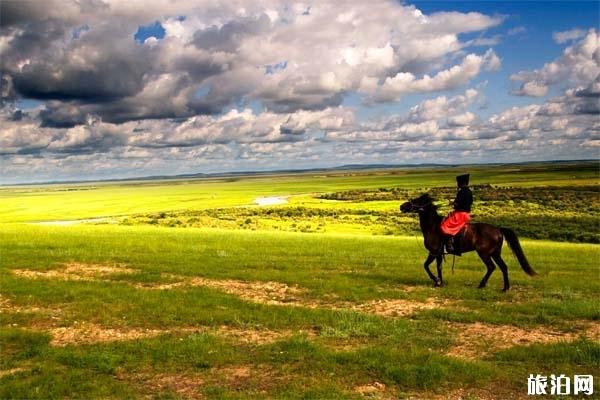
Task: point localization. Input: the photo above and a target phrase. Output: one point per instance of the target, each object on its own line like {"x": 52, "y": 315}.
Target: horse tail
{"x": 515, "y": 246}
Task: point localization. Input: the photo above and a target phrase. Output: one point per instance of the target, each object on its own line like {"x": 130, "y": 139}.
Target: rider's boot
{"x": 449, "y": 244}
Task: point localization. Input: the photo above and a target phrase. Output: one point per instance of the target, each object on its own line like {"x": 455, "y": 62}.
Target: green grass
{"x": 360, "y": 250}
{"x": 407, "y": 355}
{"x": 101, "y": 199}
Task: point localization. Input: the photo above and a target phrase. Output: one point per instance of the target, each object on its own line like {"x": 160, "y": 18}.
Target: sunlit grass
{"x": 358, "y": 252}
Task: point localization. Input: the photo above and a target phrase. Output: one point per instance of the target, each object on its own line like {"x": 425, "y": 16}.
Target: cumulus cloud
{"x": 407, "y": 83}
{"x": 81, "y": 55}
{"x": 22, "y": 135}
{"x": 578, "y": 65}
{"x": 237, "y": 85}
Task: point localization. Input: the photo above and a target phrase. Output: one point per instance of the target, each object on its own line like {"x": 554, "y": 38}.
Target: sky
{"x": 99, "y": 89}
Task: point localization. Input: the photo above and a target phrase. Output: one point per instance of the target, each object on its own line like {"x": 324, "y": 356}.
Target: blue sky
{"x": 529, "y": 48}
{"x": 165, "y": 87}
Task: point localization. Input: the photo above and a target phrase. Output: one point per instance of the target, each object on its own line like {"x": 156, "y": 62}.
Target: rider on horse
{"x": 457, "y": 219}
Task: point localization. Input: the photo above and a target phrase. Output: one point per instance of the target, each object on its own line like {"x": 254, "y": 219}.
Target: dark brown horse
{"x": 485, "y": 239}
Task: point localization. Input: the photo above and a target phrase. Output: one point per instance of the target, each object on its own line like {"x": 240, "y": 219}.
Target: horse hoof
{"x": 438, "y": 283}
{"x": 505, "y": 289}
{"x": 481, "y": 287}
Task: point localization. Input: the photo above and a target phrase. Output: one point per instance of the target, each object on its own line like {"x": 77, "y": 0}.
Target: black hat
{"x": 462, "y": 179}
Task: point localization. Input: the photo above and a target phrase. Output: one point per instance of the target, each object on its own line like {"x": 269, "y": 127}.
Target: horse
{"x": 483, "y": 238}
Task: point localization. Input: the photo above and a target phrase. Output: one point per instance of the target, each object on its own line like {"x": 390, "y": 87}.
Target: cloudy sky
{"x": 109, "y": 88}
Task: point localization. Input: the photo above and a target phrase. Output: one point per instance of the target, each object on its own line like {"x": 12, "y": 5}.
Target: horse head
{"x": 417, "y": 204}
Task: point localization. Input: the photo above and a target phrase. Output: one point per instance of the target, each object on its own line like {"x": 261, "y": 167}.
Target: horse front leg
{"x": 428, "y": 261}
{"x": 439, "y": 260}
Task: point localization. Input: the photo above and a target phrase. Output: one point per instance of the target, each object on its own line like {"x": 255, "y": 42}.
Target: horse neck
{"x": 429, "y": 220}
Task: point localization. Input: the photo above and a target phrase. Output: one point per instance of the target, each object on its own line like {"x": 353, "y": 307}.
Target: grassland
{"x": 556, "y": 202}
{"x": 213, "y": 309}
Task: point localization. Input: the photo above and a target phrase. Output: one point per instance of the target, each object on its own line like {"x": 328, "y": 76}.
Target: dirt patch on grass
{"x": 375, "y": 390}
{"x": 190, "y": 385}
{"x": 86, "y": 333}
{"x": 75, "y": 271}
{"x": 262, "y": 292}
{"x": 277, "y": 293}
{"x": 257, "y": 291}
{"x": 237, "y": 372}
{"x": 397, "y": 307}
{"x": 258, "y": 336}
{"x": 186, "y": 385}
{"x": 478, "y": 339}
{"x": 236, "y": 377}
{"x": 12, "y": 371}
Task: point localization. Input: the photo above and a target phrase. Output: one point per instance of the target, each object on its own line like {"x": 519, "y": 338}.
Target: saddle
{"x": 453, "y": 244}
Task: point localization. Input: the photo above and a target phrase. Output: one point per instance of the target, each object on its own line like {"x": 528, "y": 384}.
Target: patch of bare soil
{"x": 267, "y": 292}
{"x": 478, "y": 339}
{"x": 276, "y": 293}
{"x": 75, "y": 271}
{"x": 12, "y": 371}
{"x": 238, "y": 377}
{"x": 397, "y": 307}
{"x": 186, "y": 385}
{"x": 257, "y": 291}
{"x": 189, "y": 384}
{"x": 257, "y": 336}
{"x": 85, "y": 333}
{"x": 375, "y": 390}
{"x": 237, "y": 372}
{"x": 88, "y": 333}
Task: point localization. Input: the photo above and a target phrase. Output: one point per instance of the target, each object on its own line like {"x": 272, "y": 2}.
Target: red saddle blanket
{"x": 454, "y": 222}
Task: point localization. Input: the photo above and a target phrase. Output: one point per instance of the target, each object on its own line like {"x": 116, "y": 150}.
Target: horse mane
{"x": 430, "y": 200}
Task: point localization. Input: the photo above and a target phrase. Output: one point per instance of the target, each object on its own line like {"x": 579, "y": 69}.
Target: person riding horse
{"x": 457, "y": 219}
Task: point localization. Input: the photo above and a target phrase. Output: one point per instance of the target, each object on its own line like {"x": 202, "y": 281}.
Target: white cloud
{"x": 464, "y": 119}
{"x": 566, "y": 36}
{"x": 406, "y": 83}
{"x": 259, "y": 85}
{"x": 322, "y": 54}
{"x": 516, "y": 30}
{"x": 578, "y": 65}
{"x": 533, "y": 88}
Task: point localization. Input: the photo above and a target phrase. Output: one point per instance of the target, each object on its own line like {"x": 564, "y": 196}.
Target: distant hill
{"x": 345, "y": 167}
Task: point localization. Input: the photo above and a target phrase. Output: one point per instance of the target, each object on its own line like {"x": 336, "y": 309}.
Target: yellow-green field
{"x": 188, "y": 289}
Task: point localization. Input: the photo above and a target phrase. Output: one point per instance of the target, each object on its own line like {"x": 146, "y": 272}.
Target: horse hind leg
{"x": 504, "y": 268}
{"x": 490, "y": 268}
